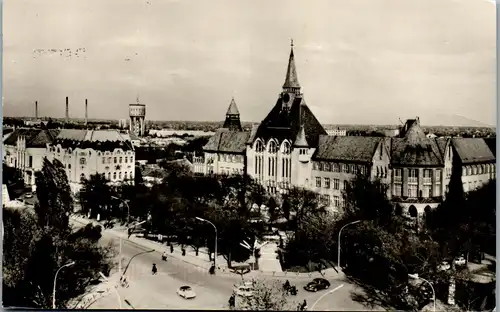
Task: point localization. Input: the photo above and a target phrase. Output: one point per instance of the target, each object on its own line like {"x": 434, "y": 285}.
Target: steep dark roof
{"x": 346, "y": 148}
{"x": 492, "y": 144}
{"x": 472, "y": 150}
{"x": 415, "y": 148}
{"x": 227, "y": 141}
{"x": 285, "y": 123}
{"x": 291, "y": 79}
{"x": 35, "y": 138}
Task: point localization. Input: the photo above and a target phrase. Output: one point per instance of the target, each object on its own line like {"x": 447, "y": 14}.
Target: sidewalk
{"x": 201, "y": 261}
{"x": 95, "y": 293}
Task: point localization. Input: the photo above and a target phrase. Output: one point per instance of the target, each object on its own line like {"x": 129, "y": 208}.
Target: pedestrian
{"x": 232, "y": 302}
{"x": 171, "y": 248}
{"x": 154, "y": 270}
{"x": 304, "y": 305}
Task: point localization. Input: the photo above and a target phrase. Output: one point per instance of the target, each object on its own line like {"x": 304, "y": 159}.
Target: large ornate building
{"x": 291, "y": 148}
{"x": 82, "y": 152}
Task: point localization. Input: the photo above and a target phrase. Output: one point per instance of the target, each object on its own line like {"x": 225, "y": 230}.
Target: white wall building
{"x": 82, "y": 152}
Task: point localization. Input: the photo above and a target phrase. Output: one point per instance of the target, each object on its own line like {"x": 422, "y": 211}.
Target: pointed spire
{"x": 232, "y": 109}
{"x": 301, "y": 140}
{"x": 291, "y": 80}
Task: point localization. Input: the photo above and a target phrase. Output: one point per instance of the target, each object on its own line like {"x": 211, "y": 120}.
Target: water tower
{"x": 137, "y": 113}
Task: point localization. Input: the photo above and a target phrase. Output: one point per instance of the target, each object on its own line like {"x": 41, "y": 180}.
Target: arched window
{"x": 259, "y": 147}
{"x": 119, "y": 175}
{"x": 273, "y": 148}
{"x": 109, "y": 176}
{"x": 286, "y": 148}
{"x": 125, "y": 175}
{"x": 114, "y": 175}
{"x": 413, "y": 211}
{"x": 469, "y": 170}
{"x": 82, "y": 176}
{"x": 131, "y": 175}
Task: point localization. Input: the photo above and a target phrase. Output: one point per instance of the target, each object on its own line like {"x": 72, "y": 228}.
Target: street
{"x": 147, "y": 291}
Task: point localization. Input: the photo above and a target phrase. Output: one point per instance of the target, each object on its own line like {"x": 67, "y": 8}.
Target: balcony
{"x": 427, "y": 181}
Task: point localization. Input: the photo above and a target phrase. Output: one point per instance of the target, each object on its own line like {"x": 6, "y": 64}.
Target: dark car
{"x": 317, "y": 284}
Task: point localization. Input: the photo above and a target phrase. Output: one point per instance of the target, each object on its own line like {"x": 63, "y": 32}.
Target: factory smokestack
{"x": 86, "y": 112}
{"x": 67, "y": 109}
{"x": 36, "y": 109}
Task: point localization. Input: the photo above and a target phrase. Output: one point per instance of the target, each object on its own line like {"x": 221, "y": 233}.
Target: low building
{"x": 337, "y": 132}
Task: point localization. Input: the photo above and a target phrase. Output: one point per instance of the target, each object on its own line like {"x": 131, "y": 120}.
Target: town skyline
{"x": 354, "y": 61}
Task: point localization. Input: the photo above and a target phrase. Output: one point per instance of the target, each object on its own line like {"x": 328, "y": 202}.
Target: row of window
{"x": 335, "y": 201}
{"x": 335, "y": 167}
{"x": 126, "y": 175}
{"x": 118, "y": 160}
{"x": 335, "y": 183}
{"x": 413, "y": 190}
{"x": 478, "y": 169}
{"x": 413, "y": 175}
{"x": 230, "y": 158}
{"x": 228, "y": 171}
{"x": 59, "y": 150}
{"x": 273, "y": 147}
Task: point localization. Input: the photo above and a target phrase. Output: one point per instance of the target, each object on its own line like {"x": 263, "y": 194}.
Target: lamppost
{"x": 415, "y": 276}
{"x": 116, "y": 291}
{"x": 55, "y": 279}
{"x": 340, "y": 232}
{"x": 215, "y": 252}
{"x": 128, "y": 207}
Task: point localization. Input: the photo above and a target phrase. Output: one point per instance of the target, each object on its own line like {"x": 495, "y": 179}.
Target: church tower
{"x": 232, "y": 121}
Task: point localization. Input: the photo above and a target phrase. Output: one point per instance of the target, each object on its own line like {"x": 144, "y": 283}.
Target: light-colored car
{"x": 244, "y": 291}
{"x": 186, "y": 292}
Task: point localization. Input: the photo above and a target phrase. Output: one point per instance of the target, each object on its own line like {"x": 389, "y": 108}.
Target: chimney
{"x": 36, "y": 109}
{"x": 67, "y": 109}
{"x": 86, "y": 112}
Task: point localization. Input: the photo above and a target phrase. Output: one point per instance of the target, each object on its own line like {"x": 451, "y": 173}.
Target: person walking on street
{"x": 154, "y": 270}
{"x": 303, "y": 307}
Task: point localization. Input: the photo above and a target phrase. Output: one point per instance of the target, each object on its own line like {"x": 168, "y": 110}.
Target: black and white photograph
{"x": 265, "y": 155}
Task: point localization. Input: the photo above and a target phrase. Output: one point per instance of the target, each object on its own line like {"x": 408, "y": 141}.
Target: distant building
{"x": 137, "y": 120}
{"x": 337, "y": 132}
{"x": 82, "y": 152}
{"x": 431, "y": 135}
{"x": 291, "y": 148}
{"x": 475, "y": 162}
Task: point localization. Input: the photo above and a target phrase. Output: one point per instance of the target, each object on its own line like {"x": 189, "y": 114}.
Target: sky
{"x": 358, "y": 61}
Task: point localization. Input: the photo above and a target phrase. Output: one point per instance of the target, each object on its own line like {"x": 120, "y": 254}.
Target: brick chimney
{"x": 67, "y": 109}
{"x": 36, "y": 109}
{"x": 86, "y": 112}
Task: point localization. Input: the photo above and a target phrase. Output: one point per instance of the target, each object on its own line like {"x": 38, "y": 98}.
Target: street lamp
{"x": 128, "y": 207}
{"x": 415, "y": 276}
{"x": 340, "y": 232}
{"x": 116, "y": 291}
{"x": 55, "y": 279}
{"x": 215, "y": 252}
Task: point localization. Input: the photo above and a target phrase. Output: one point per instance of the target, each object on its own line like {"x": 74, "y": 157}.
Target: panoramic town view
{"x": 249, "y": 155}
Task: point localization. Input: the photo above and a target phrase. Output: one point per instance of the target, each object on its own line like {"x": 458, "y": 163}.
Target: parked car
{"x": 317, "y": 284}
{"x": 186, "y": 292}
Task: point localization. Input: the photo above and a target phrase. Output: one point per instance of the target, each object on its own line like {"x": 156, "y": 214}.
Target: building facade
{"x": 291, "y": 148}
{"x": 82, "y": 152}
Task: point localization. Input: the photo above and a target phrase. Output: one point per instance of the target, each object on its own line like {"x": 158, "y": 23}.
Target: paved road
{"x": 159, "y": 291}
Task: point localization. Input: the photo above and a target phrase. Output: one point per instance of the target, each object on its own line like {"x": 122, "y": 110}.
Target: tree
{"x": 95, "y": 195}
{"x": 303, "y": 203}
{"x": 37, "y": 243}
{"x": 55, "y": 202}
{"x": 267, "y": 297}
